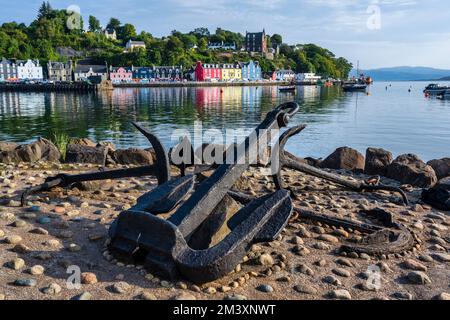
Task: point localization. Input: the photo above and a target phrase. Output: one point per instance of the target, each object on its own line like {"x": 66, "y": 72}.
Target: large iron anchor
{"x": 287, "y": 160}
{"x": 161, "y": 170}
{"x": 163, "y": 245}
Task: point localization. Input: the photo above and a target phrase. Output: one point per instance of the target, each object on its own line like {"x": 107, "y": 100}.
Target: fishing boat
{"x": 435, "y": 89}
{"x": 287, "y": 89}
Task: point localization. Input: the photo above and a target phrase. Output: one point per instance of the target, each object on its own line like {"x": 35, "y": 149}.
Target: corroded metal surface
{"x": 163, "y": 244}
{"x": 291, "y": 162}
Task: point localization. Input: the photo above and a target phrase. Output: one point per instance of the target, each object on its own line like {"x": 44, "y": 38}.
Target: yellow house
{"x": 231, "y": 72}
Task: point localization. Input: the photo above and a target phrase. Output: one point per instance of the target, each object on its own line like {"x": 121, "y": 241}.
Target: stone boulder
{"x": 410, "y": 169}
{"x": 41, "y": 150}
{"x": 344, "y": 158}
{"x": 77, "y": 153}
{"x": 377, "y": 161}
{"x": 441, "y": 167}
{"x": 134, "y": 156}
{"x": 439, "y": 196}
{"x": 83, "y": 142}
{"x": 7, "y": 146}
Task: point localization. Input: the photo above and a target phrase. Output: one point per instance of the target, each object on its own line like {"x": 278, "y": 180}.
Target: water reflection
{"x": 395, "y": 119}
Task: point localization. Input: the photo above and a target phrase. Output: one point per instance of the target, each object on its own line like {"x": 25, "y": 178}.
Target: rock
{"x": 73, "y": 247}
{"x": 7, "y": 216}
{"x": 13, "y": 239}
{"x": 341, "y": 233}
{"x": 16, "y": 264}
{"x": 37, "y": 270}
{"x": 83, "y": 142}
{"x": 184, "y": 296}
{"x": 41, "y": 150}
{"x": 2, "y": 297}
{"x": 39, "y": 231}
{"x": 43, "y": 220}
{"x": 410, "y": 169}
{"x": 84, "y": 154}
{"x": 19, "y": 224}
{"x": 441, "y": 167}
{"x": 328, "y": 238}
{"x": 134, "y": 156}
{"x": 438, "y": 196}
{"x": 418, "y": 277}
{"x": 425, "y": 258}
{"x": 377, "y": 161}
{"x": 321, "y": 246}
{"x": 340, "y": 294}
{"x": 21, "y": 249}
{"x": 266, "y": 260}
{"x": 442, "y": 296}
{"x": 52, "y": 289}
{"x": 2, "y": 233}
{"x": 88, "y": 278}
{"x": 414, "y": 265}
{"x": 403, "y": 295}
{"x": 342, "y": 272}
{"x": 236, "y": 297}
{"x": 120, "y": 287}
{"x": 265, "y": 288}
{"x": 25, "y": 283}
{"x": 303, "y": 268}
{"x": 89, "y": 185}
{"x": 332, "y": 280}
{"x": 210, "y": 290}
{"x": 306, "y": 289}
{"x": 344, "y": 158}
{"x": 65, "y": 234}
{"x": 344, "y": 262}
{"x": 442, "y": 257}
{"x": 7, "y": 146}
{"x": 83, "y": 296}
{"x": 147, "y": 296}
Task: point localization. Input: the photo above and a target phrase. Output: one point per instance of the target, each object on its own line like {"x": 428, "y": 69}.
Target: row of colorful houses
{"x": 250, "y": 71}
{"x": 31, "y": 70}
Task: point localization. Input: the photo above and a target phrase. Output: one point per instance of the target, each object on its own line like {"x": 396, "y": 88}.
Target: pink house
{"x": 121, "y": 74}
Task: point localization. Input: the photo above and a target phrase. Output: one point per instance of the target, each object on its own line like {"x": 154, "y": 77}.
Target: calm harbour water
{"x": 394, "y": 119}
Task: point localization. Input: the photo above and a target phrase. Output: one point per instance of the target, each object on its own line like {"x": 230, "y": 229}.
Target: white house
{"x": 29, "y": 70}
{"x": 307, "y": 77}
{"x": 87, "y": 72}
{"x": 283, "y": 75}
{"x": 132, "y": 45}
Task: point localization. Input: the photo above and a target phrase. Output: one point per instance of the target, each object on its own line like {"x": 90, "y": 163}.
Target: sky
{"x": 378, "y": 33}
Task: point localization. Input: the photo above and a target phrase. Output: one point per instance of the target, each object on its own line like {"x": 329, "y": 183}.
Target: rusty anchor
{"x": 138, "y": 235}
{"x": 287, "y": 160}
{"x": 161, "y": 170}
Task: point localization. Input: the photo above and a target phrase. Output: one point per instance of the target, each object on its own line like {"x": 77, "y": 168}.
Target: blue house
{"x": 251, "y": 71}
{"x": 141, "y": 73}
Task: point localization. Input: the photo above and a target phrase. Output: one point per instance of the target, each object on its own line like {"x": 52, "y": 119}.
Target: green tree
{"x": 45, "y": 10}
{"x": 94, "y": 24}
{"x": 114, "y": 24}
{"x": 127, "y": 32}
{"x": 276, "y": 39}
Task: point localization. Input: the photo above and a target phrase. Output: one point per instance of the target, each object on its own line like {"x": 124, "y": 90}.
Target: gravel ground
{"x": 56, "y": 231}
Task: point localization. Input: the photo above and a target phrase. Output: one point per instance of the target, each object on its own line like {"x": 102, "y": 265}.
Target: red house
{"x": 207, "y": 72}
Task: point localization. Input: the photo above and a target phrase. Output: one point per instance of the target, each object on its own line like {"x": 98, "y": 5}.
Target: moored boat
{"x": 444, "y": 95}
{"x": 435, "y": 89}
{"x": 354, "y": 87}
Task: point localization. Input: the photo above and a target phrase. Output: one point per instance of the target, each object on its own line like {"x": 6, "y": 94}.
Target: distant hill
{"x": 406, "y": 74}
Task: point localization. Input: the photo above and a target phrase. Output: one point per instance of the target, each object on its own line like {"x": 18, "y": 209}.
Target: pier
{"x": 49, "y": 87}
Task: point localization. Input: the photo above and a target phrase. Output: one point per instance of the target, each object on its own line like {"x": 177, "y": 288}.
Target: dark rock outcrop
{"x": 77, "y": 153}
{"x": 377, "y": 161}
{"x": 41, "y": 150}
{"x": 344, "y": 158}
{"x": 134, "y": 156}
{"x": 441, "y": 167}
{"x": 83, "y": 142}
{"x": 410, "y": 169}
{"x": 438, "y": 196}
